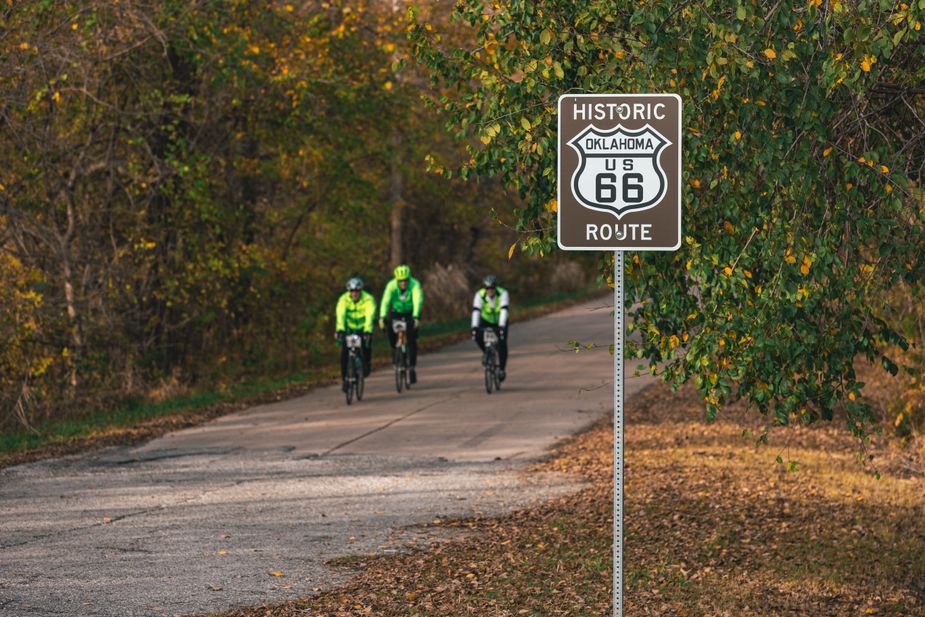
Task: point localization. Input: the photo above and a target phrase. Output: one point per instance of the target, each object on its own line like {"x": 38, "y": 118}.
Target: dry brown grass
{"x": 714, "y": 527}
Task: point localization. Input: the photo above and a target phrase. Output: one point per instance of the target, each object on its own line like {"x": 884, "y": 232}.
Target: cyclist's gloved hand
{"x": 475, "y": 333}
{"x": 338, "y": 336}
{"x": 501, "y": 333}
{"x": 417, "y": 322}
{"x": 382, "y": 324}
{"x": 367, "y": 336}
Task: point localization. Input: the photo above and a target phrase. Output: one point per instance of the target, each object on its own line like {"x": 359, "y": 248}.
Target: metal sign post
{"x": 619, "y": 189}
{"x": 618, "y": 332}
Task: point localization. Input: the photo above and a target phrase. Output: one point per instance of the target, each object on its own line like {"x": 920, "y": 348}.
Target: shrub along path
{"x": 714, "y": 528}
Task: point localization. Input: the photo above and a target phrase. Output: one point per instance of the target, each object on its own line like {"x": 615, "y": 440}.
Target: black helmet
{"x": 355, "y": 284}
{"x": 490, "y": 281}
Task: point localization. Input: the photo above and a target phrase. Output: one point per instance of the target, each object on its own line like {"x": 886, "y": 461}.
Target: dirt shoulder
{"x": 713, "y": 527}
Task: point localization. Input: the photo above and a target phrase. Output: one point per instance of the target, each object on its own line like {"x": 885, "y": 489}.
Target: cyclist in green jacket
{"x": 489, "y": 310}
{"x": 402, "y": 299}
{"x": 356, "y": 310}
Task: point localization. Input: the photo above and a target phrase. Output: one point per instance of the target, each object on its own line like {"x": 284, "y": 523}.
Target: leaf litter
{"x": 714, "y": 528}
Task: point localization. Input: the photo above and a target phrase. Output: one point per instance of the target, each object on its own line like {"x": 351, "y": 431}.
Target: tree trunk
{"x": 72, "y": 315}
{"x": 398, "y": 203}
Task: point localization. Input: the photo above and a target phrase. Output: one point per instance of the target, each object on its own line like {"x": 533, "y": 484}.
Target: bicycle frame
{"x": 354, "y": 345}
{"x": 490, "y": 360}
{"x": 400, "y": 328}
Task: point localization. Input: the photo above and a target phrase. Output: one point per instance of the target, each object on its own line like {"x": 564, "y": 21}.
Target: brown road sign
{"x": 619, "y": 172}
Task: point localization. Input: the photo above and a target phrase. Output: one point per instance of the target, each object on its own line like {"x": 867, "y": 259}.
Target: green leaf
{"x": 557, "y": 69}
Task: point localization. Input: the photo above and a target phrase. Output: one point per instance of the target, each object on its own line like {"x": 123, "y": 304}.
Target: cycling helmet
{"x": 490, "y": 281}
{"x": 355, "y": 284}
{"x": 402, "y": 272}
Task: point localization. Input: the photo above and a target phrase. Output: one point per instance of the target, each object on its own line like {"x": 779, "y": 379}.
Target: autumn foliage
{"x": 185, "y": 187}
{"x": 802, "y": 163}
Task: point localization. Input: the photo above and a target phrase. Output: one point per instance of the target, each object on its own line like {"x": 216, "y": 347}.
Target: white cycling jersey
{"x": 498, "y": 305}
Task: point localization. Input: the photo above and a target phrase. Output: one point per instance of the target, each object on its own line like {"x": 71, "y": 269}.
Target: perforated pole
{"x": 618, "y": 332}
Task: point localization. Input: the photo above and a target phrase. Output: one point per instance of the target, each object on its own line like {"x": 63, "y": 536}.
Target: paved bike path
{"x": 246, "y": 509}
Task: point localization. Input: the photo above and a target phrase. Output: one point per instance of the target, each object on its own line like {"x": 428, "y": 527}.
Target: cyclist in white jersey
{"x": 490, "y": 310}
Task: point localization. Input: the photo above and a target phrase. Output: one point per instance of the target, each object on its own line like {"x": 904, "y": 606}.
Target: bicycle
{"x": 355, "y": 378}
{"x": 400, "y": 354}
{"x": 490, "y": 360}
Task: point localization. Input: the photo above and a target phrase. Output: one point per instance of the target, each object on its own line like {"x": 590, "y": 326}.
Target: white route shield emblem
{"x": 619, "y": 169}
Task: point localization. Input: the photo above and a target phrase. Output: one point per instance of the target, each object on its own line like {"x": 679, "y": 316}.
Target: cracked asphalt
{"x": 247, "y": 509}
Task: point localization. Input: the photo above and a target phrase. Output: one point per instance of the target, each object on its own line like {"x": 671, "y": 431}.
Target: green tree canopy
{"x": 802, "y": 163}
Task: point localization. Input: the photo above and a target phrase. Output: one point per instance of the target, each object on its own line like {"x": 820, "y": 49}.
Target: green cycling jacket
{"x": 356, "y": 316}
{"x": 398, "y": 301}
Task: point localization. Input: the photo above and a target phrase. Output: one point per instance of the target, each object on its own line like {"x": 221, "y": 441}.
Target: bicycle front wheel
{"x": 489, "y": 372}
{"x": 406, "y": 371}
{"x": 497, "y": 372}
{"x": 351, "y": 382}
{"x": 396, "y": 360}
{"x": 360, "y": 377}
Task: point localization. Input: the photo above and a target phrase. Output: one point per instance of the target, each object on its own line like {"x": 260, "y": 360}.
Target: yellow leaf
{"x": 510, "y": 251}
{"x": 526, "y": 124}
{"x": 277, "y": 573}
{"x": 865, "y": 66}
{"x": 728, "y": 271}
{"x": 747, "y": 273}
{"x": 387, "y": 85}
{"x": 851, "y": 396}
{"x": 827, "y": 151}
{"x": 888, "y": 188}
{"x": 738, "y": 135}
{"x": 884, "y": 169}
{"x": 695, "y": 183}
{"x": 770, "y": 54}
